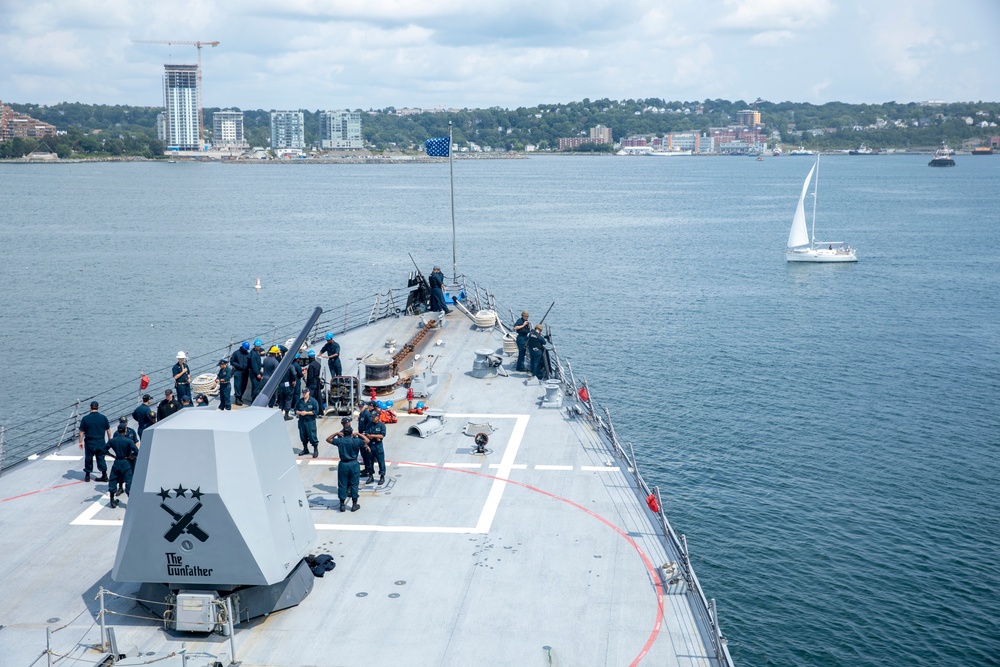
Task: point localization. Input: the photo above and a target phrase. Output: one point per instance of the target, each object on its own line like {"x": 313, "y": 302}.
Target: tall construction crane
{"x": 170, "y": 42}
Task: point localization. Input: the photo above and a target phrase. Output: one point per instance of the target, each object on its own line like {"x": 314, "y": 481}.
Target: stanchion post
{"x": 104, "y": 642}
{"x": 229, "y": 623}
{"x": 48, "y": 645}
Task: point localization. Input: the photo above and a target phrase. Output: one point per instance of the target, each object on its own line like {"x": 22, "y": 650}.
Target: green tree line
{"x": 118, "y": 129}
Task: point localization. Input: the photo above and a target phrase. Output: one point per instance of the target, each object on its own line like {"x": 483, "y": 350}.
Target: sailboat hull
{"x": 821, "y": 255}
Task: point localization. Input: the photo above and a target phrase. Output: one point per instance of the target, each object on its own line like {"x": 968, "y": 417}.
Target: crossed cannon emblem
{"x": 183, "y": 523}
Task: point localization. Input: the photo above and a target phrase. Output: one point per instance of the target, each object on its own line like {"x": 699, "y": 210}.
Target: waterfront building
{"x": 340, "y": 130}
{"x": 182, "y": 107}
{"x": 683, "y": 141}
{"x": 598, "y": 135}
{"x": 634, "y": 142}
{"x": 288, "y": 130}
{"x": 748, "y": 118}
{"x": 14, "y": 125}
{"x": 227, "y": 130}
{"x": 601, "y": 135}
{"x": 161, "y": 127}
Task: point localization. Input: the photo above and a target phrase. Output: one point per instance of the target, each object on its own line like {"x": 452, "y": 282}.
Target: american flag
{"x": 437, "y": 147}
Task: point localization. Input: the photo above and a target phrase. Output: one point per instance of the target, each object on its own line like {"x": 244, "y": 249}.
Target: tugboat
{"x": 862, "y": 150}
{"x": 942, "y": 158}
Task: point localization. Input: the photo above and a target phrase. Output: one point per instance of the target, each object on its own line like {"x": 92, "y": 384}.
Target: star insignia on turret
{"x": 180, "y": 491}
{"x": 196, "y": 493}
{"x": 164, "y": 493}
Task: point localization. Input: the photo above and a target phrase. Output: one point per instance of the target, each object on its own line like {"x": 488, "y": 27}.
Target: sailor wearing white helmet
{"x": 182, "y": 377}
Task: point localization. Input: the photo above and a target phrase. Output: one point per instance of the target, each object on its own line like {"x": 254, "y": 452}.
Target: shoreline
{"x": 423, "y": 159}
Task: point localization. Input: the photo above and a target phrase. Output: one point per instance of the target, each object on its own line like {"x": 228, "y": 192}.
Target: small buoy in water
{"x": 257, "y": 284}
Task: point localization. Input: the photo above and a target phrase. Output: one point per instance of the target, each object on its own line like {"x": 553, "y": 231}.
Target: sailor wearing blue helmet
{"x": 331, "y": 352}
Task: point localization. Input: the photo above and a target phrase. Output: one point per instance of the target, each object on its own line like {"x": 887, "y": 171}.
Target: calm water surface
{"x": 827, "y": 436}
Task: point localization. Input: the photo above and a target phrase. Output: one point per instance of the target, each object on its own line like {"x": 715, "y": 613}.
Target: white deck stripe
{"x": 545, "y": 467}
{"x": 486, "y": 517}
{"x": 394, "y": 529}
{"x": 470, "y": 466}
{"x": 506, "y": 465}
{"x": 87, "y": 517}
{"x": 62, "y": 457}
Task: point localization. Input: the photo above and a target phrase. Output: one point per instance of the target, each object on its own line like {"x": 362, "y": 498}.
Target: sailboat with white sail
{"x": 802, "y": 248}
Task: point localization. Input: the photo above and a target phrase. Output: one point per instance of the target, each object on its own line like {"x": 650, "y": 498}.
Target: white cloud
{"x": 374, "y": 53}
{"x": 772, "y": 38}
{"x": 775, "y": 14}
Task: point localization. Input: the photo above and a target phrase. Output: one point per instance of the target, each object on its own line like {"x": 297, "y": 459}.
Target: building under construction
{"x": 182, "y": 108}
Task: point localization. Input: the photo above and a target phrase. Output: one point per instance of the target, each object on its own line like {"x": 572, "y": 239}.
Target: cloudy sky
{"x": 317, "y": 54}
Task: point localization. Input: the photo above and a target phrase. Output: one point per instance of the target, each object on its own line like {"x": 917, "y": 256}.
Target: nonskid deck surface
{"x": 539, "y": 551}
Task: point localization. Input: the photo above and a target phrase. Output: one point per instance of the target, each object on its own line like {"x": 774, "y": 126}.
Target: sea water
{"x": 826, "y": 435}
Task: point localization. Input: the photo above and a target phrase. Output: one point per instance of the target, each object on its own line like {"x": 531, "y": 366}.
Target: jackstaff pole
{"x": 451, "y": 170}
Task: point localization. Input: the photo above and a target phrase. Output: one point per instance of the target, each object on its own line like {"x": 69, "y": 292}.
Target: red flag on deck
{"x": 583, "y": 394}
{"x": 143, "y": 382}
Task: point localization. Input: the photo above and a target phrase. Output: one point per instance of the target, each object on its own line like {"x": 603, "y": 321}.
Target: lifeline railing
{"x": 704, "y": 606}
{"x": 601, "y": 418}
{"x": 58, "y": 428}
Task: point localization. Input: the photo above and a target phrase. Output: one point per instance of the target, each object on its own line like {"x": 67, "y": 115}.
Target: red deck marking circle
{"x": 650, "y": 568}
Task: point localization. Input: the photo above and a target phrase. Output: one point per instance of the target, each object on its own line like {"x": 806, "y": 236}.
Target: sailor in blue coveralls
{"x": 143, "y": 415}
{"x": 331, "y": 352}
{"x": 131, "y": 435}
{"x": 256, "y": 369}
{"x": 536, "y": 346}
{"x": 436, "y": 282}
{"x": 521, "y": 328}
{"x": 124, "y": 450}
{"x": 348, "y": 471}
{"x": 314, "y": 377}
{"x": 290, "y": 388}
{"x": 94, "y": 427}
{"x": 182, "y": 377}
{"x": 225, "y": 380}
{"x": 239, "y": 363}
{"x": 368, "y": 414}
{"x": 375, "y": 433}
{"x": 306, "y": 410}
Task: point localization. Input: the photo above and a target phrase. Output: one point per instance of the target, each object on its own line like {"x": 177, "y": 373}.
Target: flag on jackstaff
{"x": 437, "y": 147}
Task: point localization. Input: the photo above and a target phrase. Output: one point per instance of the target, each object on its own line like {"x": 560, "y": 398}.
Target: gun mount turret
{"x": 218, "y": 510}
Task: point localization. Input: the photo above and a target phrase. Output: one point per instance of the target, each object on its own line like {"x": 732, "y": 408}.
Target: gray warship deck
{"x": 542, "y": 551}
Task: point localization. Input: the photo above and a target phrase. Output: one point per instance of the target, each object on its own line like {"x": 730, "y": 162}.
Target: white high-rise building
{"x": 182, "y": 107}
{"x": 288, "y": 130}
{"x": 340, "y": 129}
{"x": 227, "y": 130}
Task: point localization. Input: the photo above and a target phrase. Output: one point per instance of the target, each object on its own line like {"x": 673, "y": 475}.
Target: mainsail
{"x": 799, "y": 235}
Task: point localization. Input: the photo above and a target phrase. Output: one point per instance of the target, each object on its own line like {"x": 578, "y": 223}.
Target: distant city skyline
{"x": 309, "y": 54}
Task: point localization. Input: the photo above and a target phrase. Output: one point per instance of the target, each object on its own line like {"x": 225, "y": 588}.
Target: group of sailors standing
{"x": 530, "y": 348}
{"x": 249, "y": 366}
